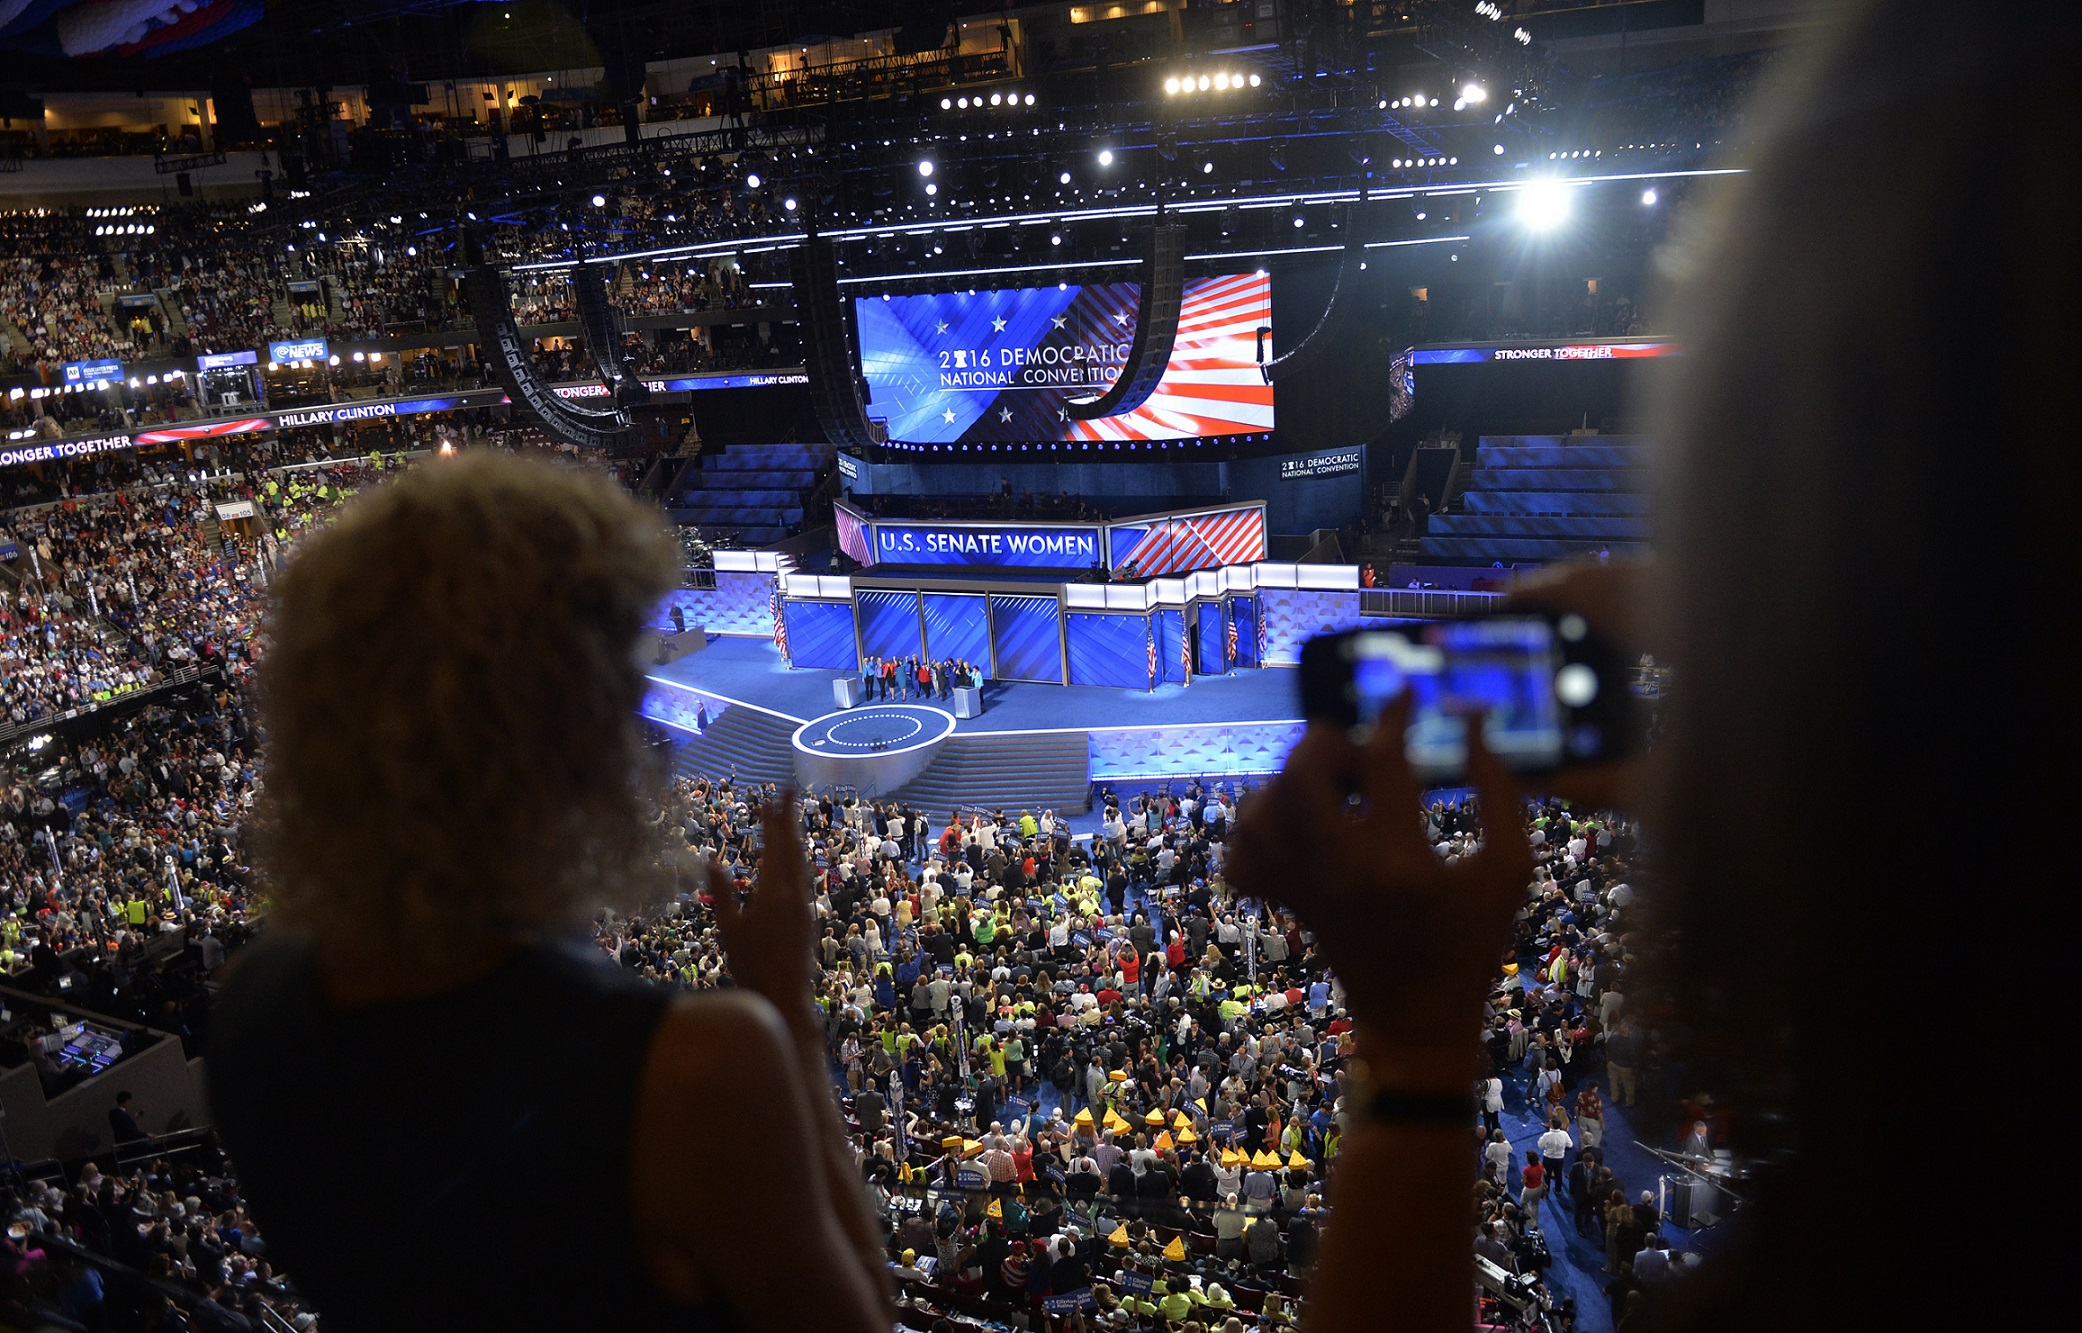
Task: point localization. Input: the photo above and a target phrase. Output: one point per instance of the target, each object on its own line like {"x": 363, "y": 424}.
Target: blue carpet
{"x": 749, "y": 670}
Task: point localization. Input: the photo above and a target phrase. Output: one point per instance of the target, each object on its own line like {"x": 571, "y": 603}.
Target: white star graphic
{"x": 998, "y": 324}
{"x": 941, "y": 326}
{"x": 948, "y": 416}
{"x": 1059, "y": 321}
{"x": 1062, "y": 414}
{"x": 1121, "y": 318}
{"x": 1005, "y": 414}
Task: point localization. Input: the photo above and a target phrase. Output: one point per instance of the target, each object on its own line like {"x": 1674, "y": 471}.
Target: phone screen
{"x": 1503, "y": 667}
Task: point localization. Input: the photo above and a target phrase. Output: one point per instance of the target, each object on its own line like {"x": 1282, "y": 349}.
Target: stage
{"x": 735, "y": 703}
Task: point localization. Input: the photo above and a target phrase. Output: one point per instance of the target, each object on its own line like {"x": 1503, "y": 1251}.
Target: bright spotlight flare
{"x": 1473, "y": 94}
{"x": 1544, "y": 204}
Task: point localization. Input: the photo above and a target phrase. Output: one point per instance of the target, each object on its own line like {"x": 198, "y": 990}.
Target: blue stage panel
{"x": 1028, "y": 633}
{"x": 1243, "y": 613}
{"x": 820, "y": 634}
{"x": 888, "y": 622}
{"x": 957, "y": 628}
{"x": 1108, "y": 649}
{"x": 1214, "y": 655}
{"x": 1171, "y": 639}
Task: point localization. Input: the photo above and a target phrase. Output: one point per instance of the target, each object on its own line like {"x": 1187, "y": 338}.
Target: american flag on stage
{"x": 1185, "y": 648}
{"x": 1153, "y": 654}
{"x": 1219, "y": 537}
{"x": 1230, "y": 640}
{"x": 780, "y": 622}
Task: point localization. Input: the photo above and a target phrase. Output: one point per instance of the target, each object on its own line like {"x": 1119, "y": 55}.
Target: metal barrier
{"x": 1436, "y": 604}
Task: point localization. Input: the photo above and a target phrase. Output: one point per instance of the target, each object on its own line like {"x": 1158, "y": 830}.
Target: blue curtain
{"x": 1028, "y": 635}
{"x": 888, "y": 622}
{"x": 1213, "y": 652}
{"x": 1244, "y": 612}
{"x": 1108, "y": 649}
{"x": 820, "y": 634}
{"x": 1171, "y": 636}
{"x": 956, "y": 628}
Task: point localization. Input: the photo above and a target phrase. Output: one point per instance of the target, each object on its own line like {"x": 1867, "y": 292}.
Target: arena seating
{"x": 1534, "y": 498}
{"x": 752, "y": 493}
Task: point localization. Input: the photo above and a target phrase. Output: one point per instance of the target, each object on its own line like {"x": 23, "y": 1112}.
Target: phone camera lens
{"x": 1575, "y": 685}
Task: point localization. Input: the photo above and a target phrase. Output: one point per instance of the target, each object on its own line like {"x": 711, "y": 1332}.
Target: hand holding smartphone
{"x": 1552, "y": 692}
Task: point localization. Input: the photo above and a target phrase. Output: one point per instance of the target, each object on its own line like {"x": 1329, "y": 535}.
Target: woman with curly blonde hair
{"x": 422, "y": 1048}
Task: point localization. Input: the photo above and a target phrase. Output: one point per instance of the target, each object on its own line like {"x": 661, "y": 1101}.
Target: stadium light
{"x": 599, "y": 201}
{"x": 1648, "y": 197}
{"x": 1105, "y": 157}
{"x": 1063, "y": 179}
{"x": 1474, "y": 94}
{"x": 752, "y": 180}
{"x": 925, "y": 168}
{"x": 1544, "y": 204}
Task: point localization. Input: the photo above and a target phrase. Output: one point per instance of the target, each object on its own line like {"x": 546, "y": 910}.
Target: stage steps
{"x": 1547, "y": 497}
{"x": 756, "y": 746}
{"x": 1047, "y": 771}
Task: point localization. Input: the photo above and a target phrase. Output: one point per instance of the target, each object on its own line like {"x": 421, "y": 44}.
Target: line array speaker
{"x": 1156, "y": 328}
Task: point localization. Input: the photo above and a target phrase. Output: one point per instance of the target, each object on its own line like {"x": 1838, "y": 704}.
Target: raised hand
{"x": 769, "y": 937}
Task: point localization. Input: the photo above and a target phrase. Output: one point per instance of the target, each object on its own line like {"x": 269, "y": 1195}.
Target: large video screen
{"x": 989, "y": 366}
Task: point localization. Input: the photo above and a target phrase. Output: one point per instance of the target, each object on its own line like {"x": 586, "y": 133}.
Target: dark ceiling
{"x": 296, "y": 43}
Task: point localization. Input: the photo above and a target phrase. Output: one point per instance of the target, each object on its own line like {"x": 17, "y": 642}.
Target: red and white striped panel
{"x": 1203, "y": 541}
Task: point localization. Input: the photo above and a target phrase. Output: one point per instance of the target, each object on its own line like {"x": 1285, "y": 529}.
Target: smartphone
{"x": 1553, "y": 694}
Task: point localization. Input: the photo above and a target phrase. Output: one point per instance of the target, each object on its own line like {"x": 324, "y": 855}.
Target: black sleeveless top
{"x": 458, "y": 1161}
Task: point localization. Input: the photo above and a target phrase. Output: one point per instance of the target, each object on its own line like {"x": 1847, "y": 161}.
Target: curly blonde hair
{"x": 453, "y": 751}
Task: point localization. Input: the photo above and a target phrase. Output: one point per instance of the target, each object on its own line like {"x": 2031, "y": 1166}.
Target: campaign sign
{"x": 972, "y": 1178}
{"x": 986, "y": 545}
{"x": 1004, "y": 365}
{"x": 308, "y": 349}
{"x": 1080, "y": 1299}
{"x": 1139, "y": 1283}
{"x": 91, "y": 372}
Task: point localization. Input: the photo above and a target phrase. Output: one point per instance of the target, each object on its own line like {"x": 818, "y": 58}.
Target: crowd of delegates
{"x": 174, "y": 1220}
{"x": 120, "y": 590}
{"x": 52, "y": 273}
{"x": 1076, "y": 1066}
{"x": 218, "y": 282}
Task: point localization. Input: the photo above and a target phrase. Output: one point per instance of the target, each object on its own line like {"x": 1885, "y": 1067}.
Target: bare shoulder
{"x": 730, "y": 1033}
{"x": 712, "y": 1056}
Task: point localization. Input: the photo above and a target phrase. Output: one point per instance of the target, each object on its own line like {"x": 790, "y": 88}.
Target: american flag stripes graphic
{"x": 780, "y": 623}
{"x": 1211, "y": 385}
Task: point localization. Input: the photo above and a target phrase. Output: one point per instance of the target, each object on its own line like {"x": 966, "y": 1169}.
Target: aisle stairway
{"x": 756, "y": 746}
{"x": 1049, "y": 771}
{"x": 1545, "y": 497}
{"x": 752, "y": 493}
{"x": 170, "y": 307}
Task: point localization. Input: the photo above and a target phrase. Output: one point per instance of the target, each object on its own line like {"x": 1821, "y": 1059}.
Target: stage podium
{"x": 968, "y": 701}
{"x": 846, "y": 691}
